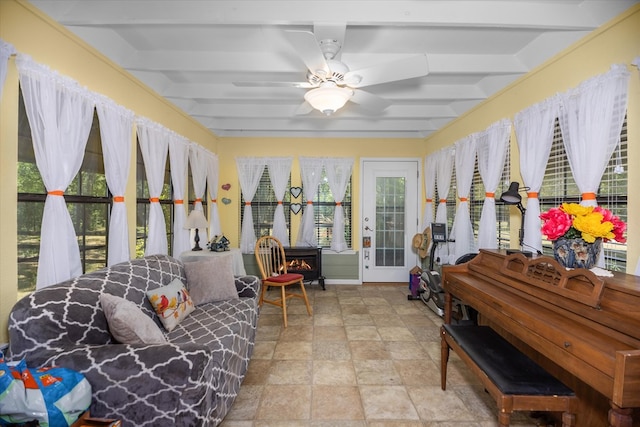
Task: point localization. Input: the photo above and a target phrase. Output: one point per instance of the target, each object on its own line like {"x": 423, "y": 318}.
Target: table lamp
{"x": 195, "y": 221}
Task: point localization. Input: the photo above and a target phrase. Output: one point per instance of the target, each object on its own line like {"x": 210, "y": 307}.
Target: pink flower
{"x": 556, "y": 223}
{"x": 619, "y": 226}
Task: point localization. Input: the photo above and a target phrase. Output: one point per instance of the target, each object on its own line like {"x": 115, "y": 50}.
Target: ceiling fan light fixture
{"x": 328, "y": 98}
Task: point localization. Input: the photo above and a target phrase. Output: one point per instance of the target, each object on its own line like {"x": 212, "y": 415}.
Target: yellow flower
{"x": 592, "y": 227}
{"x": 576, "y": 209}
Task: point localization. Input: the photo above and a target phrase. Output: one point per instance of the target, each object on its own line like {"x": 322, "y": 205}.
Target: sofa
{"x": 191, "y": 379}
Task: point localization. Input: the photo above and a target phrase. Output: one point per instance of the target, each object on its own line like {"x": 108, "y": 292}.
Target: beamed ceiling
{"x": 230, "y": 64}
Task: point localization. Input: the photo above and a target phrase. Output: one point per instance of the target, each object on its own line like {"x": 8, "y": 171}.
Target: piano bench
{"x": 516, "y": 382}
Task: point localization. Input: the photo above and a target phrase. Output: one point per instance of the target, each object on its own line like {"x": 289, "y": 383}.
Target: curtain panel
{"x": 338, "y": 171}
{"x": 213, "y": 167}
{"x": 116, "y": 125}
{"x": 60, "y": 115}
{"x": 534, "y": 133}
{"x": 444, "y": 172}
{"x": 198, "y": 157}
{"x": 178, "y": 158}
{"x": 430, "y": 167}
{"x": 462, "y": 230}
{"x": 492, "y": 147}
{"x": 279, "y": 171}
{"x": 250, "y": 170}
{"x": 6, "y": 50}
{"x": 311, "y": 174}
{"x": 154, "y": 143}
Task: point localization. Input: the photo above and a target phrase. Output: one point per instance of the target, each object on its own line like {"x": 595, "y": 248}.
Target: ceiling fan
{"x": 332, "y": 84}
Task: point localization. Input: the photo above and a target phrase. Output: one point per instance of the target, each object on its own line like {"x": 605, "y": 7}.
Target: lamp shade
{"x": 196, "y": 219}
{"x": 328, "y": 98}
{"x": 511, "y": 196}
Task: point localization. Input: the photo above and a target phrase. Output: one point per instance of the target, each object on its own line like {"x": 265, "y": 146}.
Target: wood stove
{"x": 305, "y": 261}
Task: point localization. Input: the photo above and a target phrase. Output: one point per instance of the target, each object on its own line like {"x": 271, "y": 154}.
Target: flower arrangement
{"x": 572, "y": 221}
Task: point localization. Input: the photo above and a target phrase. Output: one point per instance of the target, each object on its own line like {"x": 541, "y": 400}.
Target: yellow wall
{"x": 48, "y": 43}
{"x": 618, "y": 42}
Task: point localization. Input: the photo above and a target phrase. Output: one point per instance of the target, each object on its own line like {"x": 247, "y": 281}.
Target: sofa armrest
{"x": 160, "y": 384}
{"x": 248, "y": 286}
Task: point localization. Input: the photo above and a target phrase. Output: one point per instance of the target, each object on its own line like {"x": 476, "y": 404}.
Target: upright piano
{"x": 582, "y": 328}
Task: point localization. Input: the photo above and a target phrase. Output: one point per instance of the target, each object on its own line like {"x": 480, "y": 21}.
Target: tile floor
{"x": 367, "y": 357}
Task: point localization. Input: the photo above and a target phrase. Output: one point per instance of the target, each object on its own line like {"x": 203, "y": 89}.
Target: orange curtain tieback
{"x": 279, "y": 202}
{"x": 118, "y": 199}
{"x": 429, "y": 200}
{"x": 532, "y": 195}
{"x": 443, "y": 200}
{"x": 588, "y": 196}
{"x": 214, "y": 201}
{"x": 178, "y": 202}
{"x": 464, "y": 199}
{"x": 309, "y": 202}
{"x": 198, "y": 200}
{"x": 491, "y": 195}
{"x": 56, "y": 193}
{"x": 247, "y": 203}
{"x": 154, "y": 200}
{"x": 338, "y": 203}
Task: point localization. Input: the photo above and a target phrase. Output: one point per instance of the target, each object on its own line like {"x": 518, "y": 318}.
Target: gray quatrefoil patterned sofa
{"x": 192, "y": 380}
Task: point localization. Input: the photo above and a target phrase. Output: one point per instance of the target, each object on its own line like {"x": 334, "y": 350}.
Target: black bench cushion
{"x": 509, "y": 369}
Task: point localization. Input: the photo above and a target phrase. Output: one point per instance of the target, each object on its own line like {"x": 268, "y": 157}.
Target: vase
{"x": 576, "y": 253}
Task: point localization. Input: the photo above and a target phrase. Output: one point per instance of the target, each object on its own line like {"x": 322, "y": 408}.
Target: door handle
{"x": 366, "y": 227}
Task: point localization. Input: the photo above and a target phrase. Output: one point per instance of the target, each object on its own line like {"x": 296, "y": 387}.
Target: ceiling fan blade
{"x": 303, "y": 85}
{"x": 306, "y": 45}
{"x": 331, "y": 31}
{"x": 414, "y": 66}
{"x": 369, "y": 101}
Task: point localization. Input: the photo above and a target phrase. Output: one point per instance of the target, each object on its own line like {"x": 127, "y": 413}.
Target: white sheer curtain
{"x": 430, "y": 166}
{"x": 198, "y": 158}
{"x": 492, "y": 146}
{"x": 116, "y": 124}
{"x": 6, "y": 50}
{"x": 444, "y": 172}
{"x": 178, "y": 158}
{"x": 250, "y": 170}
{"x": 462, "y": 230}
{"x": 591, "y": 118}
{"x": 338, "y": 172}
{"x": 279, "y": 172}
{"x": 212, "y": 184}
{"x": 534, "y": 130}
{"x": 60, "y": 114}
{"x": 154, "y": 143}
{"x": 311, "y": 173}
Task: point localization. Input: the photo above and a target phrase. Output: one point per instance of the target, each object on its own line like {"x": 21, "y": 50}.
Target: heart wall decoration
{"x": 226, "y": 201}
{"x": 295, "y": 192}
{"x": 226, "y": 187}
{"x": 295, "y": 208}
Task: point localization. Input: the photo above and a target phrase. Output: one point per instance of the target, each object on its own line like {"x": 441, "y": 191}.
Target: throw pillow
{"x": 211, "y": 280}
{"x": 172, "y": 303}
{"x": 128, "y": 324}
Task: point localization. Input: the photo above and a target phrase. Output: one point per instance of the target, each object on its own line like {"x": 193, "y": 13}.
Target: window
{"x": 142, "y": 208}
{"x": 87, "y": 198}
{"x": 324, "y": 208}
{"x": 559, "y": 186}
{"x": 191, "y": 197}
{"x": 502, "y": 210}
{"x": 264, "y": 205}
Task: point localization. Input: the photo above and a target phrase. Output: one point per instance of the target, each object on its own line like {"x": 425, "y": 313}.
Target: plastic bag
{"x": 55, "y": 397}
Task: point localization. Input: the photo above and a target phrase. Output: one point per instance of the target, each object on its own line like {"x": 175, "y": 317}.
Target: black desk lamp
{"x": 513, "y": 197}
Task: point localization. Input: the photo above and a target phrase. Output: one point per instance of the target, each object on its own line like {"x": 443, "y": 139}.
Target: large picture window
{"x": 558, "y": 186}
{"x": 264, "y": 205}
{"x": 87, "y": 198}
{"x": 324, "y": 207}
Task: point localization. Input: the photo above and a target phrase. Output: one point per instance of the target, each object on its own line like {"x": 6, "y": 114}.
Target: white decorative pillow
{"x": 211, "y": 280}
{"x": 172, "y": 303}
{"x": 128, "y": 324}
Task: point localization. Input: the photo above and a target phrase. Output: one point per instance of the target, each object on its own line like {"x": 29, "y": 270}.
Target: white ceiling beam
{"x": 497, "y": 13}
